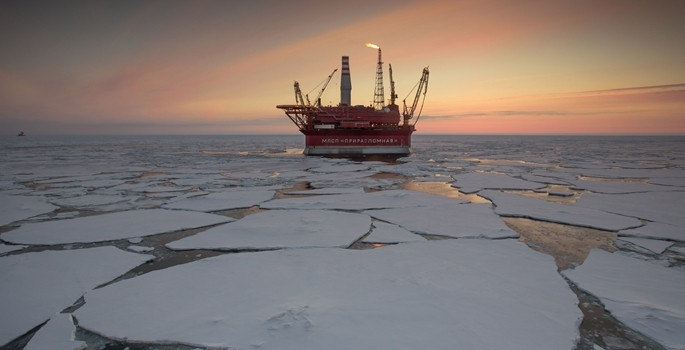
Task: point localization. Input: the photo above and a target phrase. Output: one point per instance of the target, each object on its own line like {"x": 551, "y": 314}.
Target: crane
{"x": 408, "y": 113}
{"x": 325, "y": 84}
{"x": 393, "y": 95}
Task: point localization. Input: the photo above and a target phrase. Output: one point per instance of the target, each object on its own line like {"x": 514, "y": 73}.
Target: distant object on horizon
{"x": 357, "y": 130}
{"x": 21, "y": 133}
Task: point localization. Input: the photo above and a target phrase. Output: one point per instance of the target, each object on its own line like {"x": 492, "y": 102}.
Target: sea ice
{"x": 106, "y": 227}
{"x": 35, "y": 286}
{"x": 57, "y": 334}
{"x": 455, "y": 294}
{"x": 15, "y": 208}
{"x": 223, "y": 200}
{"x": 508, "y": 204}
{"x": 329, "y": 190}
{"x": 91, "y": 200}
{"x": 5, "y": 248}
{"x": 474, "y": 182}
{"x": 654, "y": 245}
{"x": 662, "y": 207}
{"x": 372, "y": 200}
{"x": 656, "y": 230}
{"x": 454, "y": 220}
{"x": 645, "y": 296}
{"x": 282, "y": 229}
{"x": 387, "y": 233}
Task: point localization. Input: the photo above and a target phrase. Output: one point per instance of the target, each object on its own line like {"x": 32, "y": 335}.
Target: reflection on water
{"x": 569, "y": 245}
{"x": 443, "y": 189}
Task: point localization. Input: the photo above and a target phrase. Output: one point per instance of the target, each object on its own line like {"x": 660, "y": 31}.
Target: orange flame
{"x": 373, "y": 46}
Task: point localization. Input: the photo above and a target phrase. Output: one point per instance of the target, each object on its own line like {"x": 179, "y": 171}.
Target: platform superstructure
{"x": 348, "y": 129}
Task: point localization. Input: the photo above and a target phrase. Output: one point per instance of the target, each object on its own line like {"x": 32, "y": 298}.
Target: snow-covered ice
{"x": 474, "y": 182}
{"x": 282, "y": 229}
{"x": 451, "y": 220}
{"x": 372, "y": 200}
{"x": 35, "y": 286}
{"x": 15, "y": 208}
{"x": 645, "y": 296}
{"x": 387, "y": 233}
{"x": 508, "y": 204}
{"x": 223, "y": 200}
{"x": 654, "y": 245}
{"x": 453, "y": 294}
{"x": 113, "y": 226}
{"x": 57, "y": 334}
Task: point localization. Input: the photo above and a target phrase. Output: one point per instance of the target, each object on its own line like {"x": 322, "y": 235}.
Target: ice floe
{"x": 113, "y": 226}
{"x": 466, "y": 294}
{"x": 474, "y": 182}
{"x": 451, "y": 220}
{"x": 653, "y": 245}
{"x": 645, "y": 296}
{"x": 35, "y": 286}
{"x": 387, "y": 233}
{"x": 15, "y": 208}
{"x": 514, "y": 205}
{"x": 223, "y": 200}
{"x": 372, "y": 200}
{"x": 5, "y": 248}
{"x": 282, "y": 229}
{"x": 57, "y": 334}
{"x": 661, "y": 207}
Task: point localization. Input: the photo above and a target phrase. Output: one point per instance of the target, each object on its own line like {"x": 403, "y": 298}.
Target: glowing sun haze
{"x": 221, "y": 67}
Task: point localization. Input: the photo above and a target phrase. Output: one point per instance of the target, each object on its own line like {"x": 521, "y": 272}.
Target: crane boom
{"x": 421, "y": 90}
{"x": 328, "y": 80}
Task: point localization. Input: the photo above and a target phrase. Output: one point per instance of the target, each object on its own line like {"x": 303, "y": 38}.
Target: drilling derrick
{"x": 379, "y": 94}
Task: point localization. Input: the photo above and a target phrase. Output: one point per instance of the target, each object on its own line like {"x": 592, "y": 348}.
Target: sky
{"x": 221, "y": 67}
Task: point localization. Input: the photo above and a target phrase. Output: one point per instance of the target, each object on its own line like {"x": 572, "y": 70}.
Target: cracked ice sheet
{"x": 653, "y": 245}
{"x": 35, "y": 286}
{"x": 465, "y": 294}
{"x": 645, "y": 296}
{"x": 454, "y": 220}
{"x": 513, "y": 205}
{"x": 664, "y": 209}
{"x": 223, "y": 200}
{"x": 57, "y": 334}
{"x": 282, "y": 229}
{"x": 15, "y": 208}
{"x": 474, "y": 182}
{"x": 372, "y": 200}
{"x": 387, "y": 233}
{"x": 106, "y": 227}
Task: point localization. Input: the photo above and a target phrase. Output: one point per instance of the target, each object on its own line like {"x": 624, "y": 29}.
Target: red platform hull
{"x": 358, "y": 141}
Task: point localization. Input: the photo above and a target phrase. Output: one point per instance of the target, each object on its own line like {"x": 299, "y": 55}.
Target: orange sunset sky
{"x": 221, "y": 67}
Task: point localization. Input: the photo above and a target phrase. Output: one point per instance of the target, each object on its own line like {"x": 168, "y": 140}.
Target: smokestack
{"x": 345, "y": 82}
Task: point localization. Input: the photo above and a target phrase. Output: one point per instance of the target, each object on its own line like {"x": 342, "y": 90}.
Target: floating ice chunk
{"x": 654, "y": 245}
{"x": 57, "y": 334}
{"x": 457, "y": 294}
{"x": 455, "y": 220}
{"x": 679, "y": 250}
{"x": 508, "y": 204}
{"x": 15, "y": 208}
{"x": 121, "y": 225}
{"x": 329, "y": 190}
{"x": 140, "y": 249}
{"x": 387, "y": 233}
{"x": 35, "y": 286}
{"x": 662, "y": 207}
{"x": 474, "y": 182}
{"x": 656, "y": 230}
{"x": 91, "y": 200}
{"x": 618, "y": 187}
{"x": 645, "y": 296}
{"x": 282, "y": 229}
{"x": 340, "y": 168}
{"x": 373, "y": 200}
{"x": 223, "y": 200}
